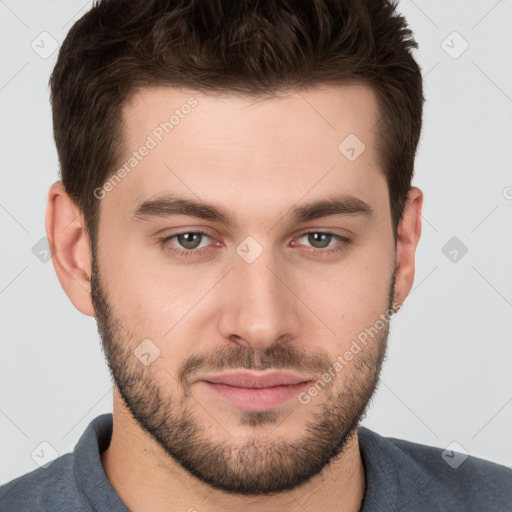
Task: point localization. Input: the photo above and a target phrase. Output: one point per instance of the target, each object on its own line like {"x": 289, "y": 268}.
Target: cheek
{"x": 153, "y": 298}
{"x": 353, "y": 295}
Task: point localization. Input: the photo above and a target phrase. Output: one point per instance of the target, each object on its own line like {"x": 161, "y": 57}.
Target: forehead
{"x": 268, "y": 150}
{"x": 321, "y": 112}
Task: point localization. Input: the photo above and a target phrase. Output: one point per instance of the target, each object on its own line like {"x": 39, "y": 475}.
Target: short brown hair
{"x": 230, "y": 46}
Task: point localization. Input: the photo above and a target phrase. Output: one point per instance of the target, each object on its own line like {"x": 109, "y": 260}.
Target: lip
{"x": 256, "y": 390}
{"x": 257, "y": 379}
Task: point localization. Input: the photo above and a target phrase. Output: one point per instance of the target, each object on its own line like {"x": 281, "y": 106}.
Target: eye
{"x": 195, "y": 243}
{"x": 321, "y": 241}
{"x": 187, "y": 242}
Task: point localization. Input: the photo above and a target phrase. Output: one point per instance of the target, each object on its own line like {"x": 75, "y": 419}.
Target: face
{"x": 245, "y": 237}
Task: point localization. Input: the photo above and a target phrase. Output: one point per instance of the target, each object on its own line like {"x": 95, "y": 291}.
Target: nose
{"x": 258, "y": 309}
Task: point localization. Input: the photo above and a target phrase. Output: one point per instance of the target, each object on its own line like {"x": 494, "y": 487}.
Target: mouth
{"x": 254, "y": 391}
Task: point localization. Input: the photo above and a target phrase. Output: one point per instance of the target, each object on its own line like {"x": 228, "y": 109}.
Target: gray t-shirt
{"x": 400, "y": 476}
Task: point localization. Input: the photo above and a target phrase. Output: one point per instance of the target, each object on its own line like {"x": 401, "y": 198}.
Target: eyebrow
{"x": 168, "y": 205}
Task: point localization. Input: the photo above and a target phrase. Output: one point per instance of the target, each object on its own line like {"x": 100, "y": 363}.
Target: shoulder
{"x": 74, "y": 481}
{"x": 460, "y": 474}
{"x": 443, "y": 479}
{"x": 45, "y": 488}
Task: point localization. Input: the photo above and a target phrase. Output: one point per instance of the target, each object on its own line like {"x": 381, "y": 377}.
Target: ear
{"x": 409, "y": 232}
{"x": 70, "y": 246}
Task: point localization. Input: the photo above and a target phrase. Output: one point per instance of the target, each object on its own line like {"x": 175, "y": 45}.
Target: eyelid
{"x": 327, "y": 231}
{"x": 331, "y": 230}
{"x": 182, "y": 230}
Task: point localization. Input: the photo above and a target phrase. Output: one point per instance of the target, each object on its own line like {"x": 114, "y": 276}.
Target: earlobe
{"x": 409, "y": 232}
{"x": 70, "y": 245}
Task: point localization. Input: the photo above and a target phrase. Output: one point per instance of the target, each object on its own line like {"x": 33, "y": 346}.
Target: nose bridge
{"x": 258, "y": 309}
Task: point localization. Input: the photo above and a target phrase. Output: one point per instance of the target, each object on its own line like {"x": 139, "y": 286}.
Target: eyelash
{"x": 343, "y": 242}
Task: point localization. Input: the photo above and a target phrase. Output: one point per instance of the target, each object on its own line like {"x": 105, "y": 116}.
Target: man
{"x": 236, "y": 211}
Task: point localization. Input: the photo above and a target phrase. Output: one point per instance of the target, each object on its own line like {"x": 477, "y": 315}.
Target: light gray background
{"x": 448, "y": 373}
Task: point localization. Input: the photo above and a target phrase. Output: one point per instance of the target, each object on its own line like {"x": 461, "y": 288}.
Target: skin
{"x": 290, "y": 308}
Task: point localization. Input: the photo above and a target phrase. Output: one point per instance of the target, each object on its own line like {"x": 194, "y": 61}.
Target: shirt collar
{"x": 387, "y": 486}
{"x": 88, "y": 469}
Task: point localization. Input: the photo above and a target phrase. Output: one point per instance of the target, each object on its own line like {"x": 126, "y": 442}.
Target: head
{"x": 236, "y": 193}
